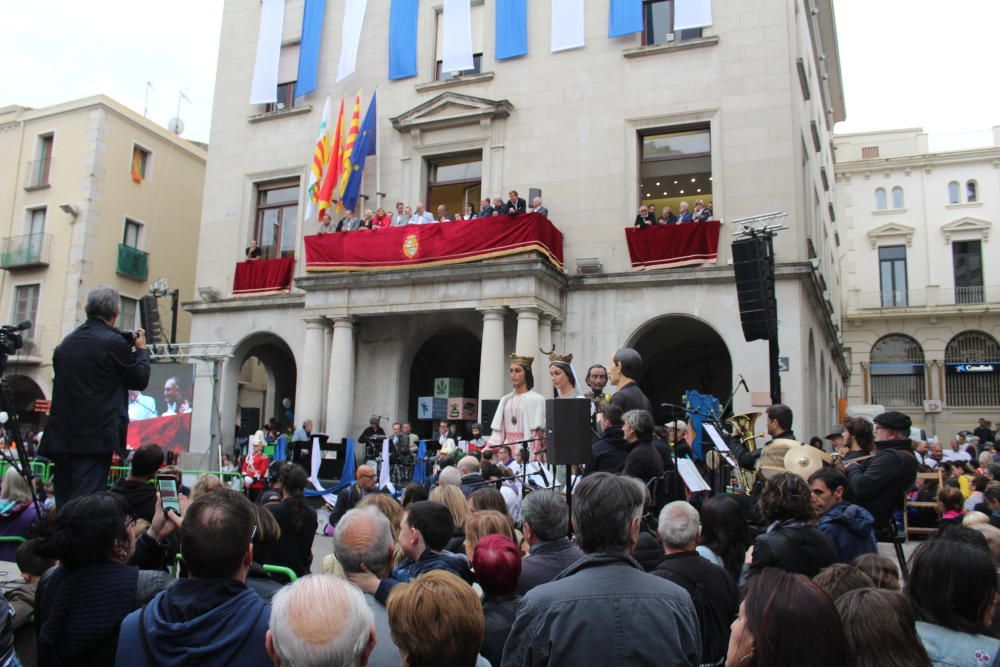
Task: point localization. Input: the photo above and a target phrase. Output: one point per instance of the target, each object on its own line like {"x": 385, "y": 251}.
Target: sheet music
{"x": 720, "y": 444}
{"x": 692, "y": 478}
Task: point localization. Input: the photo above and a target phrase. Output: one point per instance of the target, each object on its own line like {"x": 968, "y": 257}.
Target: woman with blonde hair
{"x": 452, "y": 498}
{"x": 17, "y": 512}
{"x": 483, "y": 523}
{"x": 393, "y": 511}
{"x": 206, "y": 482}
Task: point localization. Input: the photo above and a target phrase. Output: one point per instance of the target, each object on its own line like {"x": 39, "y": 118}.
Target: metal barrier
{"x": 282, "y": 570}
{"x": 13, "y": 538}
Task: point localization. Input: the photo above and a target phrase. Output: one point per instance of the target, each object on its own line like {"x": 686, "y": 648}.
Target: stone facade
{"x": 764, "y": 81}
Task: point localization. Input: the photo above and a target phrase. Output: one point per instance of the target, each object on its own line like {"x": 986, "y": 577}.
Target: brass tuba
{"x": 743, "y": 430}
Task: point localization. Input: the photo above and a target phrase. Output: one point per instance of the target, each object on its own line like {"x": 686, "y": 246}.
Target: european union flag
{"x": 364, "y": 146}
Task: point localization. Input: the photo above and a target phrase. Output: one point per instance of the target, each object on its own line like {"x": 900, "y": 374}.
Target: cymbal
{"x": 803, "y": 460}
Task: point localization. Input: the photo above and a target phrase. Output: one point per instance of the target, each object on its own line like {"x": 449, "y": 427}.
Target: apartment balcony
{"x": 922, "y": 300}
{"x": 132, "y": 262}
{"x": 36, "y": 174}
{"x": 25, "y": 252}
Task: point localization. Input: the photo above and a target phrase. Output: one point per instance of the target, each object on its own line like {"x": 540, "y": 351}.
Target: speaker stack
{"x": 753, "y": 262}
{"x": 567, "y": 431}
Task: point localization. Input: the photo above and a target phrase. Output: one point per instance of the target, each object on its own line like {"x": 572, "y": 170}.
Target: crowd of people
{"x": 380, "y": 218}
{"x": 647, "y": 214}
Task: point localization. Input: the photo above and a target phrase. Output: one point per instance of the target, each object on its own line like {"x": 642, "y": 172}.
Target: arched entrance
{"x": 25, "y": 392}
{"x": 679, "y": 353}
{"x": 451, "y": 353}
{"x": 260, "y": 374}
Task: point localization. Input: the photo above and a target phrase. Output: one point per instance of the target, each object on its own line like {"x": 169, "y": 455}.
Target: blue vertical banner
{"x": 511, "y": 28}
{"x": 624, "y": 17}
{"x": 364, "y": 146}
{"x": 312, "y": 35}
{"x": 403, "y": 39}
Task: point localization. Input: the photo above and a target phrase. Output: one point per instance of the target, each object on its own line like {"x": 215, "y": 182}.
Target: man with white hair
{"x": 363, "y": 541}
{"x": 468, "y": 468}
{"x": 450, "y": 475}
{"x": 713, "y": 591}
{"x": 320, "y": 621}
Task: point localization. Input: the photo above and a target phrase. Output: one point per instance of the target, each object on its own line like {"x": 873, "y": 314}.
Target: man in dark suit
{"x": 515, "y": 205}
{"x": 485, "y": 209}
{"x": 94, "y": 369}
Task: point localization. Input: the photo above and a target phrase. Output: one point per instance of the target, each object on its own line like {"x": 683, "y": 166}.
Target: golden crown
{"x": 565, "y": 358}
{"x": 521, "y": 360}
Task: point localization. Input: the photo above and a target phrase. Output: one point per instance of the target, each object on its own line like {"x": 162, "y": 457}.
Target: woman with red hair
{"x": 497, "y": 564}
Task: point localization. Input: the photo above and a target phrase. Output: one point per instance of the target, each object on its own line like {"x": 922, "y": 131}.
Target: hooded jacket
{"x": 610, "y": 451}
{"x": 141, "y": 497}
{"x": 849, "y": 527}
{"x": 795, "y": 546}
{"x": 197, "y": 623}
{"x": 430, "y": 560}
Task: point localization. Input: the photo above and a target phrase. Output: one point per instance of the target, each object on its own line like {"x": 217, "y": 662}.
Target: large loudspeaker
{"x": 753, "y": 262}
{"x": 567, "y": 431}
{"x": 489, "y": 407}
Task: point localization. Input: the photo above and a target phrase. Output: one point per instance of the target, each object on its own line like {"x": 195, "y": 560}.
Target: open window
{"x": 453, "y": 181}
{"x": 676, "y": 167}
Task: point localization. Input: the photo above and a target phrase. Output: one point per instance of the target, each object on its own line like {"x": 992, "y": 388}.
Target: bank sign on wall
{"x": 984, "y": 368}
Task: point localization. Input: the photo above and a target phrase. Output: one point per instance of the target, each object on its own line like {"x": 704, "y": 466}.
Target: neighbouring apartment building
{"x": 93, "y": 193}
{"x": 921, "y": 292}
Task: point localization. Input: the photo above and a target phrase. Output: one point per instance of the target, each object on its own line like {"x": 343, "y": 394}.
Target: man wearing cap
{"x": 836, "y": 437}
{"x": 879, "y": 486}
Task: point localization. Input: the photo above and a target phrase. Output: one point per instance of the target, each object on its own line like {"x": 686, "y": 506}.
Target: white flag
{"x": 567, "y": 24}
{"x": 264, "y": 87}
{"x": 350, "y": 37}
{"x": 692, "y": 14}
{"x": 457, "y": 36}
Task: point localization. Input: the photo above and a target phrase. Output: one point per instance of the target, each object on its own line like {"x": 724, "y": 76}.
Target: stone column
{"x": 526, "y": 341}
{"x": 327, "y": 346}
{"x": 340, "y": 382}
{"x": 492, "y": 364}
{"x": 309, "y": 394}
{"x": 543, "y": 382}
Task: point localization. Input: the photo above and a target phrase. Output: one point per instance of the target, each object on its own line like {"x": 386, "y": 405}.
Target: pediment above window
{"x": 450, "y": 110}
{"x": 891, "y": 230}
{"x": 979, "y": 228}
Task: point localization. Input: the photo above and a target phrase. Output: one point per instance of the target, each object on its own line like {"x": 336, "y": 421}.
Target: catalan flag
{"x": 332, "y": 175}
{"x": 364, "y": 147}
{"x": 348, "y": 148}
{"x": 321, "y": 155}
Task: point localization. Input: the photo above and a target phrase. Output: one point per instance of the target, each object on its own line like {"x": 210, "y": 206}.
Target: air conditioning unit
{"x": 933, "y": 406}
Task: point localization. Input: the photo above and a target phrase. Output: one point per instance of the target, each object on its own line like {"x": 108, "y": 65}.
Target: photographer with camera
{"x": 94, "y": 368}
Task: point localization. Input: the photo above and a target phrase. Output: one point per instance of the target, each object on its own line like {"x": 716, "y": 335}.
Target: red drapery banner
{"x": 662, "y": 246}
{"x": 434, "y": 243}
{"x": 264, "y": 276}
{"x": 172, "y": 432}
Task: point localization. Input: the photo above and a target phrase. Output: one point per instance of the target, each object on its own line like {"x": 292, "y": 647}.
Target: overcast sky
{"x": 906, "y": 63}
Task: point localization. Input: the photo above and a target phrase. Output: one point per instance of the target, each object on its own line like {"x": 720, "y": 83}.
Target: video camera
{"x": 10, "y": 337}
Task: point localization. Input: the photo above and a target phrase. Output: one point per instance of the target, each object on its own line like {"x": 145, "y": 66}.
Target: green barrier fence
{"x": 284, "y": 571}
{"x": 39, "y": 469}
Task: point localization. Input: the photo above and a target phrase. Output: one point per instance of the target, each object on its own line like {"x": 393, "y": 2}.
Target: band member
{"x": 521, "y": 414}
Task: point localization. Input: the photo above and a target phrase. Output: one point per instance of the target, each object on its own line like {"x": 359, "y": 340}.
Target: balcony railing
{"x": 930, "y": 297}
{"x": 132, "y": 262}
{"x": 23, "y": 252}
{"x": 37, "y": 173}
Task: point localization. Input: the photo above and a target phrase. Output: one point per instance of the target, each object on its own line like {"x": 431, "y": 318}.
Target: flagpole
{"x": 378, "y": 157}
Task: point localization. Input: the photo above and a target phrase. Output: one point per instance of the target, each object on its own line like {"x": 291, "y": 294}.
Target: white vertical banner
{"x": 384, "y": 480}
{"x": 567, "y": 24}
{"x": 350, "y": 37}
{"x": 456, "y": 34}
{"x": 692, "y": 14}
{"x": 264, "y": 87}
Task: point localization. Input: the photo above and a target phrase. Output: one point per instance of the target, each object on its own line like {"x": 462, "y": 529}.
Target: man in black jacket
{"x": 713, "y": 591}
{"x": 643, "y": 461}
{"x": 140, "y": 494}
{"x": 94, "y": 368}
{"x": 879, "y": 485}
{"x": 515, "y": 205}
{"x": 367, "y": 480}
{"x": 610, "y": 451}
{"x": 546, "y": 522}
